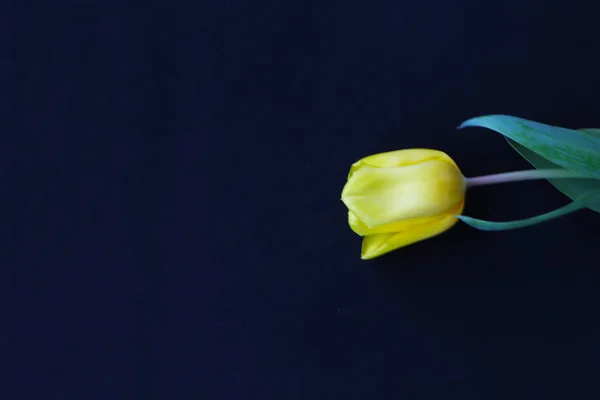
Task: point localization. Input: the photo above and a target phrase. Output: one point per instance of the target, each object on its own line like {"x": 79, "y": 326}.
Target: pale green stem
{"x": 556, "y": 173}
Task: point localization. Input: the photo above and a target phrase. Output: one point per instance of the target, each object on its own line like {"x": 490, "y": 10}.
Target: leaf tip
{"x": 471, "y": 122}
{"x": 482, "y": 120}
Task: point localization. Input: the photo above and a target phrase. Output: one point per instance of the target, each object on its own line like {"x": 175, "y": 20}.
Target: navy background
{"x": 171, "y": 223}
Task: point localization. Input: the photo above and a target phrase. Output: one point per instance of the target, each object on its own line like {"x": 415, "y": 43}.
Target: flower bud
{"x": 401, "y": 197}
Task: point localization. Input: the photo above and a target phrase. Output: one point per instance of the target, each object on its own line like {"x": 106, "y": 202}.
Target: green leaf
{"x": 521, "y": 223}
{"x": 581, "y": 202}
{"x": 574, "y": 150}
{"x": 573, "y": 188}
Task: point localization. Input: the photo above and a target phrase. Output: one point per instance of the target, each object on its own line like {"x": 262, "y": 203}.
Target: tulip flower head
{"x": 398, "y": 198}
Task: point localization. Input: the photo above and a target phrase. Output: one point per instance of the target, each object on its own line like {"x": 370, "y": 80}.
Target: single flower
{"x": 401, "y": 197}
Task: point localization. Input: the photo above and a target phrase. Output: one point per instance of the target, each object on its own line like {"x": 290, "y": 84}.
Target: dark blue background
{"x": 170, "y": 218}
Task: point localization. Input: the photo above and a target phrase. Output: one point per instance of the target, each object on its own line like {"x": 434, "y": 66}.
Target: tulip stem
{"x": 555, "y": 173}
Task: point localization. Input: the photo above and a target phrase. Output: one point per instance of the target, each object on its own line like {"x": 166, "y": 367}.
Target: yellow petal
{"x": 379, "y": 196}
{"x": 363, "y": 230}
{"x": 378, "y": 244}
{"x": 399, "y": 158}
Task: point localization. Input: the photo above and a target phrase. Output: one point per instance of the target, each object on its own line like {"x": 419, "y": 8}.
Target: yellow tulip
{"x": 402, "y": 197}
